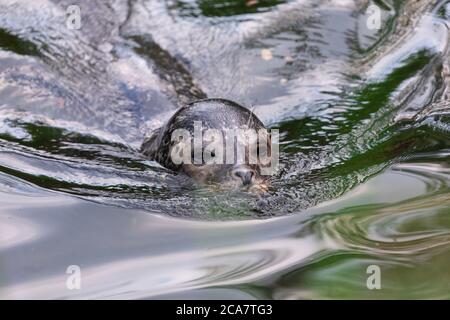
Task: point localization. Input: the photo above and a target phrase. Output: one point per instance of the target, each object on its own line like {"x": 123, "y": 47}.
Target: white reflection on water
{"x": 150, "y": 276}
{"x": 134, "y": 254}
{"x": 14, "y": 231}
{"x": 398, "y": 219}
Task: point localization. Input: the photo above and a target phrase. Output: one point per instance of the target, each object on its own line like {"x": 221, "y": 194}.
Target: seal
{"x": 227, "y": 141}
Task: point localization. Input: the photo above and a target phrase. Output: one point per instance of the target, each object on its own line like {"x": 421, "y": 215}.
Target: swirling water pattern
{"x": 364, "y": 178}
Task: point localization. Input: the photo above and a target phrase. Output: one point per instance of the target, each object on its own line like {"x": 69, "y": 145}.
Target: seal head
{"x": 213, "y": 141}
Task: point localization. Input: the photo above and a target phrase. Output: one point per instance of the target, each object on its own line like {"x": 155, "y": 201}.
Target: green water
{"x": 364, "y": 171}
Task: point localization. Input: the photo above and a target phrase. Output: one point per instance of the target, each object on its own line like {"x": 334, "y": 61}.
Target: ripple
{"x": 364, "y": 177}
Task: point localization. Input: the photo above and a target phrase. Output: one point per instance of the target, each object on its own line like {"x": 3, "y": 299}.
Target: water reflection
{"x": 320, "y": 253}
{"x": 365, "y": 148}
{"x": 221, "y": 8}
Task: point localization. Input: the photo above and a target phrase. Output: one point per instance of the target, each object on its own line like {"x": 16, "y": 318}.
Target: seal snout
{"x": 246, "y": 177}
{"x": 244, "y": 174}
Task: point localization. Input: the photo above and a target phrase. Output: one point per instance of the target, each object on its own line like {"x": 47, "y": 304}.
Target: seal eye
{"x": 213, "y": 154}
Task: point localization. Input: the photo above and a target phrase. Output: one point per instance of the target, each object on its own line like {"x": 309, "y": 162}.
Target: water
{"x": 364, "y": 122}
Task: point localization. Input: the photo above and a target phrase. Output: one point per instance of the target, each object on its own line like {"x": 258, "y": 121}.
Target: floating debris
{"x": 266, "y": 54}
{"x": 251, "y": 3}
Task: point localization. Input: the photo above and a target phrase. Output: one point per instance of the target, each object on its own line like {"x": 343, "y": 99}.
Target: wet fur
{"x": 214, "y": 114}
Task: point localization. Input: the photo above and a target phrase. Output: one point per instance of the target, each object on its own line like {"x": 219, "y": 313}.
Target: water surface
{"x": 364, "y": 122}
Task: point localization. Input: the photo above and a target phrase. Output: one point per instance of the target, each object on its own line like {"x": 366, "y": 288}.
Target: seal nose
{"x": 246, "y": 176}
